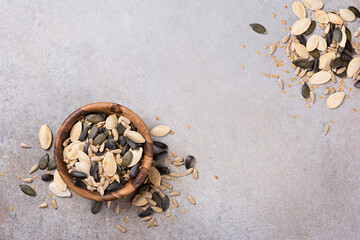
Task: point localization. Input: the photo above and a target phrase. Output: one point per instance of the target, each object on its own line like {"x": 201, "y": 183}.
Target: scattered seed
{"x": 27, "y": 190}
{"x": 117, "y": 209}
{"x": 191, "y": 199}
{"x": 258, "y": 28}
{"x": 45, "y": 136}
{"x": 25, "y": 145}
{"x": 334, "y": 100}
{"x": 174, "y": 193}
{"x": 54, "y": 204}
{"x": 121, "y": 228}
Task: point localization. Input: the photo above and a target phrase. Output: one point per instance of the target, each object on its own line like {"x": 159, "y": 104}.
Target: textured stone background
{"x": 279, "y": 178}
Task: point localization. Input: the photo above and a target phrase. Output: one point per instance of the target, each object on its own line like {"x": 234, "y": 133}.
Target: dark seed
{"x": 160, "y": 155}
{"x": 346, "y": 57}
{"x": 110, "y": 144}
{"x": 80, "y": 184}
{"x": 51, "y": 164}
{"x": 100, "y": 153}
{"x": 133, "y": 128}
{"x": 357, "y": 84}
{"x": 335, "y": 63}
{"x": 125, "y": 150}
{"x": 44, "y": 160}
{"x": 341, "y": 75}
{"x": 86, "y": 148}
{"x": 165, "y": 203}
{"x": 93, "y": 131}
{"x": 163, "y": 170}
{"x": 97, "y": 176}
{"x": 120, "y": 128}
{"x": 144, "y": 188}
{"x": 303, "y": 63}
{"x": 119, "y": 170}
{"x": 101, "y": 130}
{"x": 302, "y": 39}
{"x": 47, "y": 177}
{"x": 329, "y": 38}
{"x": 94, "y": 168}
{"x": 190, "y": 161}
{"x": 133, "y": 145}
{"x": 355, "y": 11}
{"x": 337, "y": 35}
{"x": 84, "y": 133}
{"x": 95, "y": 207}
{"x": 258, "y": 28}
{"x": 27, "y": 190}
{"x": 305, "y": 92}
{"x": 315, "y": 53}
{"x": 94, "y": 118}
{"x": 310, "y": 29}
{"x": 110, "y": 137}
{"x": 126, "y": 159}
{"x": 78, "y": 174}
{"x": 146, "y": 212}
{"x": 134, "y": 171}
{"x": 122, "y": 141}
{"x": 316, "y": 65}
{"x": 100, "y": 139}
{"x": 161, "y": 145}
{"x": 348, "y": 34}
{"x": 104, "y": 115}
{"x": 156, "y": 197}
{"x": 114, "y": 187}
{"x": 123, "y": 181}
{"x": 349, "y": 47}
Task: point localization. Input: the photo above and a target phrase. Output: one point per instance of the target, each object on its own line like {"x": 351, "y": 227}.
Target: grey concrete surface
{"x": 279, "y": 178}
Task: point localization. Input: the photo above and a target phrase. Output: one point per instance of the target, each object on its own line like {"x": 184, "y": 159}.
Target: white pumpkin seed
{"x": 160, "y": 131}
{"x": 55, "y": 190}
{"x": 313, "y": 4}
{"x": 76, "y": 131}
{"x": 312, "y": 43}
{"x": 191, "y": 199}
{"x": 347, "y": 15}
{"x": 325, "y": 60}
{"x": 139, "y": 200}
{"x": 281, "y": 84}
{"x": 322, "y": 45}
{"x": 111, "y": 122}
{"x": 60, "y": 184}
{"x": 320, "y": 77}
{"x": 154, "y": 176}
{"x": 73, "y": 149}
{"x": 299, "y": 9}
{"x": 121, "y": 228}
{"x": 83, "y": 167}
{"x": 124, "y": 120}
{"x": 83, "y": 157}
{"x": 322, "y": 16}
{"x": 343, "y": 38}
{"x": 33, "y": 168}
{"x": 353, "y": 67}
{"x": 45, "y": 136}
{"x": 326, "y": 129}
{"x": 43, "y": 205}
{"x": 137, "y": 154}
{"x": 301, "y": 50}
{"x": 335, "y": 19}
{"x": 334, "y": 100}
{"x": 115, "y": 133}
{"x": 109, "y": 164}
{"x": 135, "y": 136}
{"x": 300, "y": 26}
{"x": 25, "y": 145}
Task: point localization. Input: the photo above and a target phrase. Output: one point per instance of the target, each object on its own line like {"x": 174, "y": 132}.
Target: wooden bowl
{"x": 107, "y": 108}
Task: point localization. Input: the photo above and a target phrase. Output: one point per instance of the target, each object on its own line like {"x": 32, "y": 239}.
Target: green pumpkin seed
{"x": 100, "y": 139}
{"x": 348, "y": 34}
{"x": 315, "y": 53}
{"x": 144, "y": 188}
{"x": 303, "y": 63}
{"x": 310, "y": 29}
{"x": 355, "y": 11}
{"x": 51, "y": 164}
{"x": 27, "y": 190}
{"x": 44, "y": 160}
{"x": 258, "y": 28}
{"x": 126, "y": 159}
{"x": 305, "y": 90}
{"x": 337, "y": 35}
{"x": 94, "y": 130}
{"x": 337, "y": 62}
{"x": 94, "y": 118}
{"x": 95, "y": 208}
{"x": 156, "y": 197}
{"x": 165, "y": 203}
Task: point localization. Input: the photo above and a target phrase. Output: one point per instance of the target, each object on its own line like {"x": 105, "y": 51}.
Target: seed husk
{"x": 191, "y": 199}
{"x": 160, "y": 145}
{"x": 320, "y": 77}
{"x": 33, "y": 168}
{"x": 160, "y": 131}
{"x": 80, "y": 184}
{"x": 25, "y": 145}
{"x": 27, "y": 190}
{"x": 334, "y": 100}
{"x": 45, "y": 136}
{"x": 313, "y": 4}
{"x": 154, "y": 176}
{"x": 195, "y": 173}
{"x": 55, "y": 190}
{"x": 47, "y": 177}
{"x": 347, "y": 15}
{"x": 54, "y": 204}
{"x": 310, "y": 29}
{"x": 156, "y": 197}
{"x": 165, "y": 203}
{"x": 126, "y": 159}
{"x": 355, "y": 11}
{"x": 147, "y": 212}
{"x": 94, "y": 118}
{"x": 305, "y": 90}
{"x": 43, "y": 162}
{"x": 299, "y": 9}
{"x": 137, "y": 154}
{"x": 51, "y": 164}
{"x": 43, "y": 205}
{"x": 121, "y": 228}
{"x": 96, "y": 206}
{"x": 300, "y": 26}
{"x": 174, "y": 193}
{"x": 258, "y": 28}
{"x": 190, "y": 161}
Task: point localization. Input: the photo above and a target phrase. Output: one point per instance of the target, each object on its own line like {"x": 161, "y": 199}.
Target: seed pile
{"x": 103, "y": 153}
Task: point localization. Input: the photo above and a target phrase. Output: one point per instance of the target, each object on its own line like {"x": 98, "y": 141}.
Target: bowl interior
{"x": 107, "y": 108}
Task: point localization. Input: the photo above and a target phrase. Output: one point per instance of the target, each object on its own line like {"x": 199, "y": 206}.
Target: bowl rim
{"x": 107, "y": 108}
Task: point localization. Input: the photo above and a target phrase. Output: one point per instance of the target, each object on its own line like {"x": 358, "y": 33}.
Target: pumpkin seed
{"x": 322, "y": 45}
{"x": 139, "y": 200}
{"x": 154, "y": 176}
{"x": 326, "y": 59}
{"x": 33, "y": 168}
{"x": 299, "y": 9}
{"x": 258, "y": 28}
{"x": 301, "y": 50}
{"x": 94, "y": 118}
{"x": 47, "y": 177}
{"x": 94, "y": 130}
{"x": 135, "y": 136}
{"x": 300, "y": 26}
{"x": 337, "y": 35}
{"x": 160, "y": 131}
{"x": 347, "y": 15}
{"x": 43, "y": 205}
{"x": 337, "y": 62}
{"x": 109, "y": 164}
{"x": 320, "y": 77}
{"x": 25, "y": 145}
{"x": 165, "y": 203}
{"x": 84, "y": 133}
{"x": 191, "y": 199}
{"x": 76, "y": 131}
{"x": 100, "y": 138}
{"x": 126, "y": 159}
{"x": 190, "y": 161}
{"x": 305, "y": 90}
{"x": 322, "y": 16}
{"x": 115, "y": 186}
{"x": 136, "y": 156}
{"x": 111, "y": 121}
{"x": 121, "y": 228}
{"x": 313, "y": 4}
{"x": 335, "y": 19}
{"x": 51, "y": 164}
{"x": 304, "y": 63}
{"x": 146, "y": 212}
{"x": 44, "y": 160}
{"x": 45, "y": 136}
{"x": 96, "y": 206}
{"x": 78, "y": 174}
{"x": 27, "y": 190}
{"x": 195, "y": 173}
{"x": 312, "y": 43}
{"x": 60, "y": 184}
{"x": 353, "y": 67}
{"x": 156, "y": 197}
{"x": 334, "y": 100}
{"x": 55, "y": 190}
{"x": 83, "y": 167}
{"x": 54, "y": 204}
{"x": 355, "y": 11}
{"x": 315, "y": 53}
{"x": 310, "y": 29}
{"x": 160, "y": 155}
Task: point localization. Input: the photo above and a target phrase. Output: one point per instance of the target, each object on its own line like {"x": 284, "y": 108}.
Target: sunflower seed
{"x": 139, "y": 200}
{"x": 44, "y": 160}
{"x": 300, "y": 26}
{"x": 127, "y": 159}
{"x": 27, "y": 180}
{"x": 27, "y": 190}
{"x": 45, "y": 136}
{"x": 165, "y": 203}
{"x": 108, "y": 204}
{"x": 145, "y": 219}
{"x": 160, "y": 131}
{"x": 190, "y": 161}
{"x": 33, "y": 168}
{"x": 272, "y": 49}
{"x": 51, "y": 164}
{"x": 117, "y": 209}
{"x": 80, "y": 184}
{"x": 152, "y": 220}
{"x": 54, "y": 204}
{"x": 347, "y": 15}
{"x": 173, "y": 174}
{"x": 157, "y": 209}
{"x": 47, "y": 177}
{"x": 191, "y": 199}
{"x": 334, "y": 100}
{"x": 326, "y": 129}
{"x": 175, "y": 203}
{"x": 121, "y": 228}
{"x": 174, "y": 193}
{"x": 286, "y": 38}
{"x": 96, "y": 206}
{"x": 25, "y": 145}
{"x": 313, "y": 4}
{"x": 146, "y": 212}
{"x": 43, "y": 205}
{"x": 258, "y": 28}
